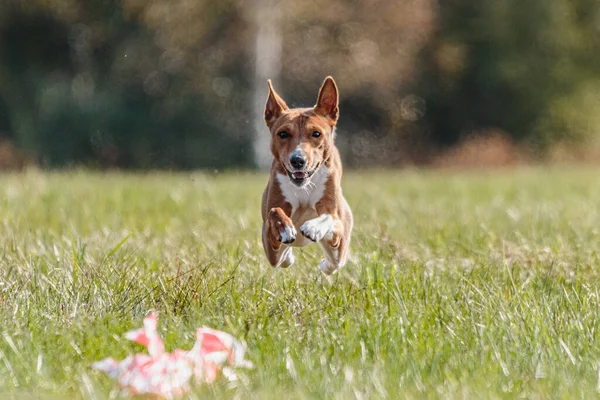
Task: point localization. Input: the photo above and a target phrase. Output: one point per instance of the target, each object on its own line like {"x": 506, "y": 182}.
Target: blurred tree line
{"x": 169, "y": 83}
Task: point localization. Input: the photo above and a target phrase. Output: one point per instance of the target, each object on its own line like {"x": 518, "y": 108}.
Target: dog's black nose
{"x": 297, "y": 161}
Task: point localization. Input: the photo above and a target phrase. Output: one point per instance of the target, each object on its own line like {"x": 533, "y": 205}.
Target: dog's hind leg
{"x": 335, "y": 256}
{"x": 280, "y": 258}
{"x": 286, "y": 257}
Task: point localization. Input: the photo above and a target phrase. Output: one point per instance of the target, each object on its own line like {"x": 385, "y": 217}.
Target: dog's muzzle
{"x": 299, "y": 178}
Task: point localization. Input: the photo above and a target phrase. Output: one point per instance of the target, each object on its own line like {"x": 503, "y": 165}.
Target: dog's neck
{"x": 308, "y": 195}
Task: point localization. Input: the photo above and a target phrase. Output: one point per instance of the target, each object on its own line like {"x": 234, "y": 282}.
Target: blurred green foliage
{"x": 86, "y": 82}
{"x": 527, "y": 67}
{"x": 170, "y": 84}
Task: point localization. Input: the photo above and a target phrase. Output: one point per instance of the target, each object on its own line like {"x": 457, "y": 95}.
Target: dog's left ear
{"x": 327, "y": 103}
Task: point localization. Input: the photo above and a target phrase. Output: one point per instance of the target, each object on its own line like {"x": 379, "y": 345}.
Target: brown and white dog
{"x": 304, "y": 192}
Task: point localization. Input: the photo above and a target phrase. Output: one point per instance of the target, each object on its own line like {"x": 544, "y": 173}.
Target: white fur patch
{"x": 287, "y": 258}
{"x": 331, "y": 263}
{"x": 327, "y": 267}
{"x": 319, "y": 228}
{"x": 304, "y": 196}
{"x": 288, "y": 234}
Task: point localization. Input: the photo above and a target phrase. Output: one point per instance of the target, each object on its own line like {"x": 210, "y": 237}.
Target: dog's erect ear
{"x": 275, "y": 105}
{"x": 327, "y": 103}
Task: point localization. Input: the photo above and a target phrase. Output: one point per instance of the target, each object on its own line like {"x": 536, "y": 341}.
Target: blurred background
{"x": 181, "y": 84}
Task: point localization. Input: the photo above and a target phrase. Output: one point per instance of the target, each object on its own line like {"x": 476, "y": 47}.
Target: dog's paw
{"x": 281, "y": 227}
{"x": 317, "y": 229}
{"x": 287, "y": 260}
{"x": 327, "y": 267}
{"x": 287, "y": 234}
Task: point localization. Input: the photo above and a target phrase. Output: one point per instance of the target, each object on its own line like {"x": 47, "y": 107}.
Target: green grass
{"x": 463, "y": 285}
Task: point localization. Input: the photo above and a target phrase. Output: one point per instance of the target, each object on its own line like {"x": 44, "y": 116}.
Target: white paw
{"x": 327, "y": 267}
{"x": 317, "y": 229}
{"x": 288, "y": 234}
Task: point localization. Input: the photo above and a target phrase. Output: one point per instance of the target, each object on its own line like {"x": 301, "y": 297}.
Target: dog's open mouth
{"x": 299, "y": 178}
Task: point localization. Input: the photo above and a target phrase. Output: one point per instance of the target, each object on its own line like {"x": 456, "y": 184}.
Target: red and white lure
{"x": 168, "y": 374}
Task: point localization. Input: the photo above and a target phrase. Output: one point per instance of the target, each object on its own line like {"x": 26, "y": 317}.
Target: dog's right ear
{"x": 275, "y": 105}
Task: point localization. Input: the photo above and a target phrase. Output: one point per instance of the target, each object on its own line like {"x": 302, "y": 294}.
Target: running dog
{"x": 304, "y": 191}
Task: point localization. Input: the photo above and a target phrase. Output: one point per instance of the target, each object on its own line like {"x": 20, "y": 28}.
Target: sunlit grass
{"x": 475, "y": 285}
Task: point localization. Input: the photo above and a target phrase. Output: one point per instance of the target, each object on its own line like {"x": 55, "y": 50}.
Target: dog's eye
{"x": 283, "y": 135}
{"x": 316, "y": 134}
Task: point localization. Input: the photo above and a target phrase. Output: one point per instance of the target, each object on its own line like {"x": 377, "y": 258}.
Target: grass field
{"x": 463, "y": 285}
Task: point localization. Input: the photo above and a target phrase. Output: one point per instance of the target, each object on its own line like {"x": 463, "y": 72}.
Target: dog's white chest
{"x": 303, "y": 200}
{"x": 306, "y": 196}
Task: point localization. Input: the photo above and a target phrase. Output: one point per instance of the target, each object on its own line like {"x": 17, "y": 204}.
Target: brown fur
{"x": 300, "y": 123}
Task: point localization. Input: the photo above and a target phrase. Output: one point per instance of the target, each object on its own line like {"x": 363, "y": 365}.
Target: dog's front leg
{"x": 278, "y": 232}
{"x": 328, "y": 230}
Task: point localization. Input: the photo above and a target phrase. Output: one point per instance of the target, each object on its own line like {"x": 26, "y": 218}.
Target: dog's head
{"x": 302, "y": 138}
